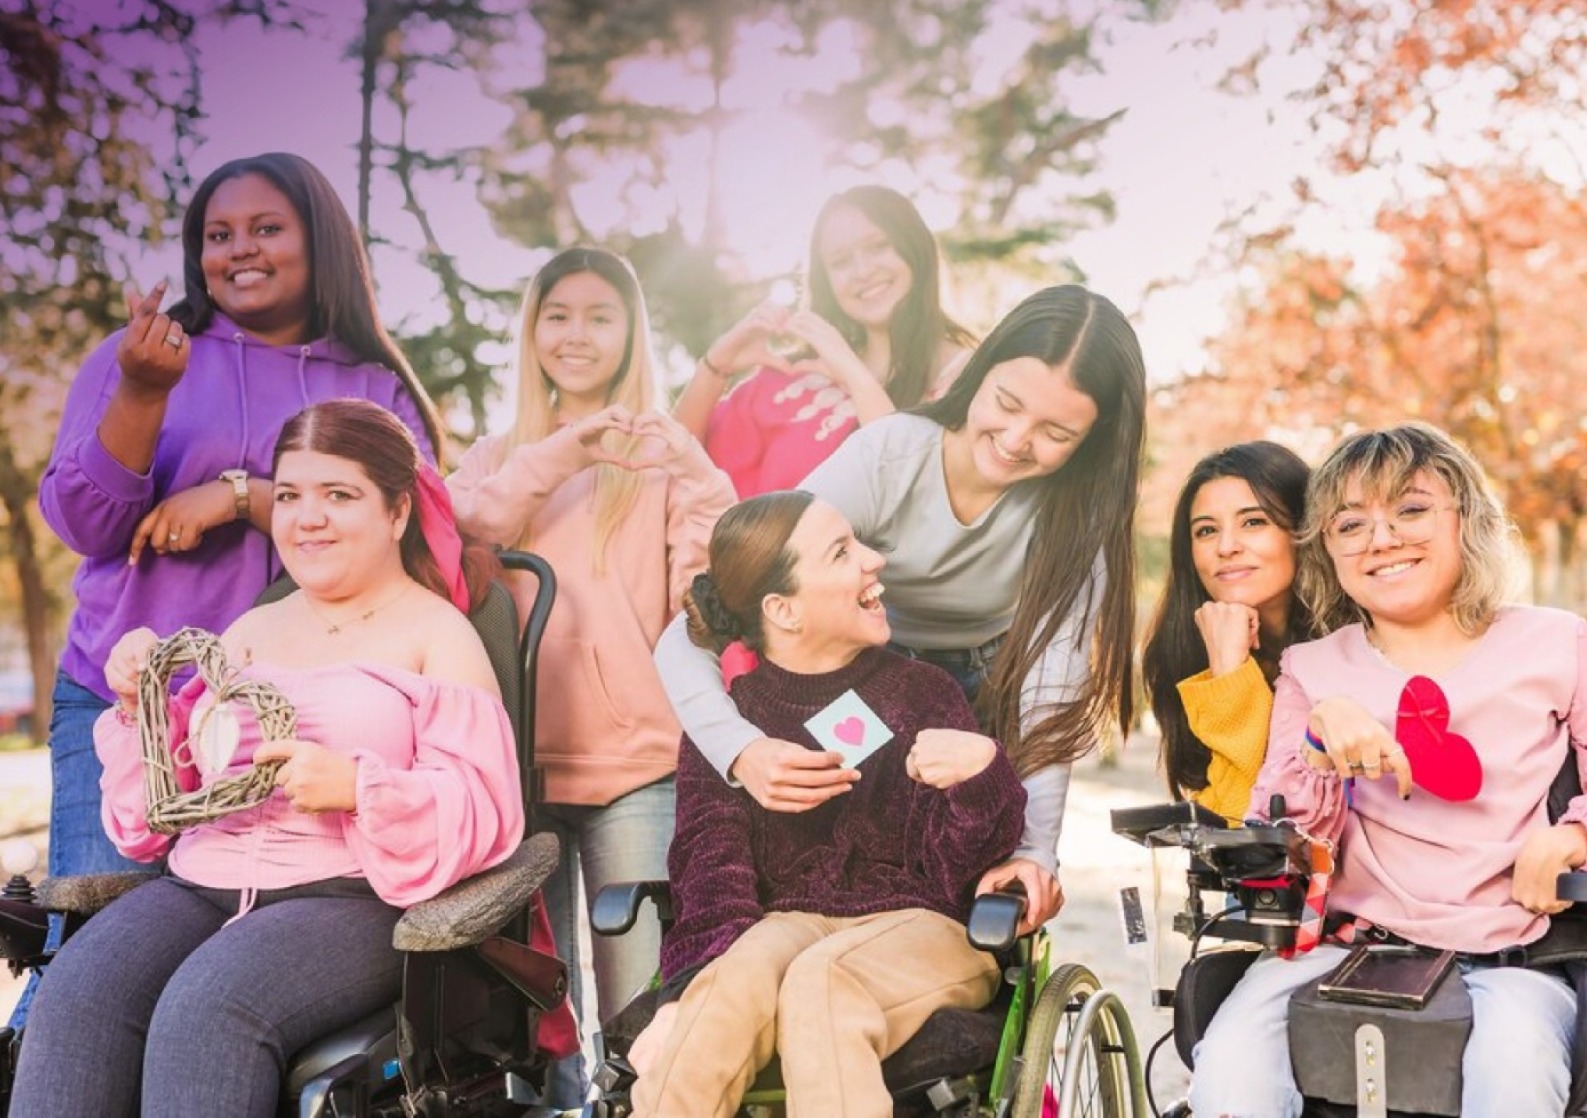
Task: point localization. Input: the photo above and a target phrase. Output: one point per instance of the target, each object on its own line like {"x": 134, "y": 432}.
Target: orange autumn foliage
{"x": 1479, "y": 325}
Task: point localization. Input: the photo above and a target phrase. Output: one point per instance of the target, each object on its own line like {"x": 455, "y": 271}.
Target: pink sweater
{"x": 604, "y": 726}
{"x": 438, "y": 787}
{"x": 1436, "y": 872}
{"x": 774, "y": 427}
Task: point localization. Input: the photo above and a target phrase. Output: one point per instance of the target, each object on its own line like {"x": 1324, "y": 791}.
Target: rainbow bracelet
{"x": 1314, "y": 741}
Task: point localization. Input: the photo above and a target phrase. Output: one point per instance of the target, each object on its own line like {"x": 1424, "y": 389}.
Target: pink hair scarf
{"x": 438, "y": 524}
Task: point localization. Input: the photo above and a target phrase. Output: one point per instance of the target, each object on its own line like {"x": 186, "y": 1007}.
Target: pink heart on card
{"x": 1442, "y": 762}
{"x": 851, "y": 731}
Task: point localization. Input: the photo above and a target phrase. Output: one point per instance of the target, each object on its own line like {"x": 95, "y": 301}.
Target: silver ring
{"x": 173, "y": 536}
{"x": 174, "y": 341}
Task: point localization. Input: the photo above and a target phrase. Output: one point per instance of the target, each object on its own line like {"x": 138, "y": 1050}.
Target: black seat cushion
{"x": 374, "y": 1036}
{"x": 952, "y": 1042}
{"x": 1203, "y": 985}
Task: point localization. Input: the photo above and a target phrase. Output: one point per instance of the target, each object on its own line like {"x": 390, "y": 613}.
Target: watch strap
{"x": 239, "y": 488}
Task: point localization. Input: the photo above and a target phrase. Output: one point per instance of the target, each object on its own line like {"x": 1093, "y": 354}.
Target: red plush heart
{"x": 1442, "y": 762}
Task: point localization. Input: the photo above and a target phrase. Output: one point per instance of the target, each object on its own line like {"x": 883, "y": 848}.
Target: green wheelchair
{"x": 1054, "y": 1041}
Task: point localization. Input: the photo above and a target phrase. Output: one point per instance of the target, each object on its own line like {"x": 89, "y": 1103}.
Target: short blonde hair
{"x": 1385, "y": 462}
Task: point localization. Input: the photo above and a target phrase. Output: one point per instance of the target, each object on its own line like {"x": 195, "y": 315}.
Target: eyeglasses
{"x": 1350, "y": 533}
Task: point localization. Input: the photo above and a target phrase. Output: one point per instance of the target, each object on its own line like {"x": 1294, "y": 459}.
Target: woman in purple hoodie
{"x": 160, "y": 474}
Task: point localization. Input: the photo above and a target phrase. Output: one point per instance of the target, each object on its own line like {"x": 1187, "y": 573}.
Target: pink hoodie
{"x": 604, "y": 727}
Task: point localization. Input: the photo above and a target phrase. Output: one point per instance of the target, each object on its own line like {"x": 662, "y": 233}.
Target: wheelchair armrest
{"x": 1572, "y": 886}
{"x": 85, "y": 894}
{"x": 616, "y": 906}
{"x": 476, "y": 908}
{"x": 994, "y": 920}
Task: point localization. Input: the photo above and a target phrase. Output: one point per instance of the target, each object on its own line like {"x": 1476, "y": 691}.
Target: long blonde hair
{"x": 633, "y": 386}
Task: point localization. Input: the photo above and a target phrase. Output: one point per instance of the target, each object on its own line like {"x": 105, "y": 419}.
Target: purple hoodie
{"x": 225, "y": 412}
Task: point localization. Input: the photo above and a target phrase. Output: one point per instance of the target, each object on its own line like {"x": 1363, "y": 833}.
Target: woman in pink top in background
{"x": 1441, "y": 820}
{"x": 621, "y": 501}
{"x": 272, "y": 926}
{"x": 875, "y": 340}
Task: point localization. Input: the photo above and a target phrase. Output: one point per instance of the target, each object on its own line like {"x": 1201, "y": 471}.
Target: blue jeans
{"x": 626, "y": 840}
{"x": 969, "y": 667}
{"x": 160, "y": 996}
{"x": 1517, "y": 1060}
{"x": 78, "y": 843}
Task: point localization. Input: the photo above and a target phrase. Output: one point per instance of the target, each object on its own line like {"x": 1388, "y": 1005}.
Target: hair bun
{"x": 717, "y": 617}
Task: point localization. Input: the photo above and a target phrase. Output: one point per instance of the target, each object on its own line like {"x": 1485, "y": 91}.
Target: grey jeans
{"x": 158, "y": 998}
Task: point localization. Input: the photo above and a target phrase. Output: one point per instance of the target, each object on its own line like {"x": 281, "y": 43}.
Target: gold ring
{"x": 1357, "y": 767}
{"x": 174, "y": 341}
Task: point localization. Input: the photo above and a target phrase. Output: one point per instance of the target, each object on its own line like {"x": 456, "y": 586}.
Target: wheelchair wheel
{"x": 1079, "y": 1059}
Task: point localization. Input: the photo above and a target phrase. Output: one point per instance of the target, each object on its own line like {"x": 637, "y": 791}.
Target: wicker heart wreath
{"x": 170, "y": 809}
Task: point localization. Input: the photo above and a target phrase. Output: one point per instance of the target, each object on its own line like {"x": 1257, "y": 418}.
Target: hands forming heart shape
{"x": 653, "y": 440}
{"x": 1442, "y": 762}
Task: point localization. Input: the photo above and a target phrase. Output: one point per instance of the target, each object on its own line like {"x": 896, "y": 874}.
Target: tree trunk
{"x": 16, "y": 493}
{"x": 377, "y": 25}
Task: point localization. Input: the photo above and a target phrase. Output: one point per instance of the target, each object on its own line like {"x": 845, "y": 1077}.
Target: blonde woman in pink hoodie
{"x": 621, "y": 500}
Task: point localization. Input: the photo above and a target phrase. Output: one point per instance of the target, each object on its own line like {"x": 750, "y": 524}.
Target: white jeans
{"x": 1517, "y": 1060}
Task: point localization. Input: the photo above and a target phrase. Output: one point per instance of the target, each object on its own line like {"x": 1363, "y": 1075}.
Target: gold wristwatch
{"x": 239, "y": 488}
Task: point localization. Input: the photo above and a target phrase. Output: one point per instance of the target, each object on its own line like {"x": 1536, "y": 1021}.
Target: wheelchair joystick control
{"x": 18, "y": 857}
{"x": 1277, "y": 808}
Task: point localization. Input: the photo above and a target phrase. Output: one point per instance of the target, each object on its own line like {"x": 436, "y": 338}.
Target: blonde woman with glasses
{"x": 1420, "y": 736}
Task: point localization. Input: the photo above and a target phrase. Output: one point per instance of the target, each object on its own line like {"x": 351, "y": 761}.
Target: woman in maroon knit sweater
{"x": 830, "y": 935}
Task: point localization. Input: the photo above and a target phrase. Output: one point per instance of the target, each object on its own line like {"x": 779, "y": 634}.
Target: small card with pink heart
{"x": 849, "y": 727}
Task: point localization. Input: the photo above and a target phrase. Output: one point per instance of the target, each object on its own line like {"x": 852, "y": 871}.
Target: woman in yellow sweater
{"x": 1228, "y": 611}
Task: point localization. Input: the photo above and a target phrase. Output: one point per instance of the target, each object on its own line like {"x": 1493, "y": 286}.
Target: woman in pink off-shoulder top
{"x": 272, "y": 926}
{"x": 1439, "y": 815}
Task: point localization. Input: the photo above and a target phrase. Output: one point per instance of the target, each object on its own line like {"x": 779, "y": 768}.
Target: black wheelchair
{"x": 1054, "y": 1040}
{"x": 462, "y": 1039}
{"x": 1376, "y": 1054}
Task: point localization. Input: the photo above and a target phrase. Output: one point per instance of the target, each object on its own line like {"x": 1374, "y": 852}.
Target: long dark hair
{"x": 1086, "y": 511}
{"x": 364, "y": 432}
{"x": 919, "y": 325}
{"x": 343, "y": 294}
{"x": 1174, "y": 648}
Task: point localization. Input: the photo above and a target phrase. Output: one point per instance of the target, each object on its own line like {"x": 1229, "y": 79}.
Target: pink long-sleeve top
{"x": 776, "y": 426}
{"x": 438, "y": 789}
{"x": 604, "y": 726}
{"x": 1436, "y": 872}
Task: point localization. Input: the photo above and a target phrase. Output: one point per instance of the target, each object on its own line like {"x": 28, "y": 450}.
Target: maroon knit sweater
{"x": 890, "y": 843}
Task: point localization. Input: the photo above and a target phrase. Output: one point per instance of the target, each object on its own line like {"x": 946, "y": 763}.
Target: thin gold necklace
{"x": 334, "y": 628}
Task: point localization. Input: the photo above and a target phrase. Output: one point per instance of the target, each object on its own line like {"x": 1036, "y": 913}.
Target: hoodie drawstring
{"x": 247, "y": 897}
{"x": 239, "y": 348}
{"x": 303, "y": 380}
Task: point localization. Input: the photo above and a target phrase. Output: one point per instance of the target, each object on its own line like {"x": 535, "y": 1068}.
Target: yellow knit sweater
{"x": 1229, "y": 714}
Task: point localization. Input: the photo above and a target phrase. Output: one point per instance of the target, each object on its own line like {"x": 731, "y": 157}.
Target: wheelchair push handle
{"x": 617, "y": 905}
{"x": 994, "y": 918}
{"x": 1572, "y": 886}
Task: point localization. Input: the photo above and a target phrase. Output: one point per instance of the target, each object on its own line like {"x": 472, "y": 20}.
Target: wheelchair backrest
{"x": 512, "y": 657}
